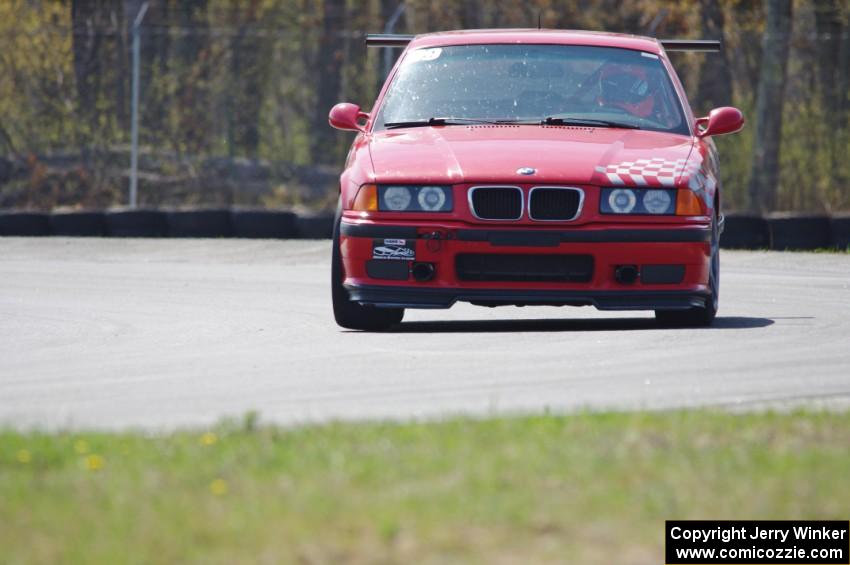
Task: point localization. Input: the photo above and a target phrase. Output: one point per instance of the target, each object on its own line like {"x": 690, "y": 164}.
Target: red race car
{"x": 525, "y": 167}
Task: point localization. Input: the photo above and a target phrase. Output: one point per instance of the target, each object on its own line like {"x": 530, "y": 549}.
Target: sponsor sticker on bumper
{"x": 394, "y": 249}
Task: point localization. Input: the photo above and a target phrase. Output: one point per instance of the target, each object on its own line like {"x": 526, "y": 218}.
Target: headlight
{"x": 414, "y": 198}
{"x": 657, "y": 201}
{"x": 396, "y": 198}
{"x": 622, "y": 200}
{"x": 637, "y": 201}
{"x": 431, "y": 198}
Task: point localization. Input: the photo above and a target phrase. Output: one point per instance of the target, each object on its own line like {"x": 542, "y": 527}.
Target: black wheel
{"x": 350, "y": 314}
{"x": 701, "y": 316}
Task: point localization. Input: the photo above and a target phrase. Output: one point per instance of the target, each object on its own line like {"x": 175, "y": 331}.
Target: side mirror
{"x": 345, "y": 116}
{"x": 719, "y": 121}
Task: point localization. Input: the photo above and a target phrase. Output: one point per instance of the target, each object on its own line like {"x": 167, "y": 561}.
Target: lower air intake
{"x": 524, "y": 268}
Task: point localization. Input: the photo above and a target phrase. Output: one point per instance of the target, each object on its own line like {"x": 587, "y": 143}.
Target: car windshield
{"x": 596, "y": 86}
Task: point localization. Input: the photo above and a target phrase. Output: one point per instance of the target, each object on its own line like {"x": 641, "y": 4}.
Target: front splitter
{"x": 407, "y": 297}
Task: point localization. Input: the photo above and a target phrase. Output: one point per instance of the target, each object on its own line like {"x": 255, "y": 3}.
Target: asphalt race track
{"x": 157, "y": 333}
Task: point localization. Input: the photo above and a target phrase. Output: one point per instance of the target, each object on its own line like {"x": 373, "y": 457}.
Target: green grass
{"x": 587, "y": 488}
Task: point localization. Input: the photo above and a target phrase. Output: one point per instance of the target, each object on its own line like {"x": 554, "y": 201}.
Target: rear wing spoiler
{"x": 698, "y": 45}
{"x": 387, "y": 39}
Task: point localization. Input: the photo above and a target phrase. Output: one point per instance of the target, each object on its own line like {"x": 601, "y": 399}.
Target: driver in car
{"x": 627, "y": 89}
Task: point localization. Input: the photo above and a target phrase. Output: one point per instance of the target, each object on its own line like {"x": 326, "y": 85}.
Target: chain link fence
{"x": 234, "y": 95}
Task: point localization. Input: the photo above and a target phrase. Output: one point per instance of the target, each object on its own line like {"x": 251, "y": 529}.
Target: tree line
{"x": 235, "y": 93}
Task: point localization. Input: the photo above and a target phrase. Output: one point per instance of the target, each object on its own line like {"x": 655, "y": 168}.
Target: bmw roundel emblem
{"x": 526, "y": 171}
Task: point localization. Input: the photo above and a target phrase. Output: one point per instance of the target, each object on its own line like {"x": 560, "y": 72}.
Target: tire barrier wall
{"x": 796, "y": 231}
{"x": 786, "y": 231}
{"x": 742, "y": 231}
{"x": 25, "y": 223}
{"x": 745, "y": 232}
{"x": 264, "y": 224}
{"x": 199, "y": 223}
{"x": 840, "y": 230}
{"x": 246, "y": 223}
{"x": 318, "y": 226}
{"x": 80, "y": 224}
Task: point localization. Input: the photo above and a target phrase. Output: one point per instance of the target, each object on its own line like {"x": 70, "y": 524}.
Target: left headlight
{"x": 414, "y": 198}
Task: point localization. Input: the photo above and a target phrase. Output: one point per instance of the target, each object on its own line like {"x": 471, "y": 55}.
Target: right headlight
{"x": 414, "y": 198}
{"x": 652, "y": 201}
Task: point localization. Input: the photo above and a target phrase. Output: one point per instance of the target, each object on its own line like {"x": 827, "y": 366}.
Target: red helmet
{"x": 626, "y": 87}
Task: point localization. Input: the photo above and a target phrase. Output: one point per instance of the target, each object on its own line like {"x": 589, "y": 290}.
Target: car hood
{"x": 558, "y": 154}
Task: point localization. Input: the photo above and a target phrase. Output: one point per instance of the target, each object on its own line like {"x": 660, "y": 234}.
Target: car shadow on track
{"x": 567, "y": 325}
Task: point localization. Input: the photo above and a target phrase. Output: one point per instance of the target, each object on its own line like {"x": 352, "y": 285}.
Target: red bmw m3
{"x": 524, "y": 167}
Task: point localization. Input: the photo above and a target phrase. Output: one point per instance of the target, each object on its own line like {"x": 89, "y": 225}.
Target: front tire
{"x": 348, "y": 314}
{"x": 700, "y": 316}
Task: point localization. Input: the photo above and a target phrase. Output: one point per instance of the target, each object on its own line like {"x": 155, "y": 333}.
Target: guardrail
{"x": 743, "y": 231}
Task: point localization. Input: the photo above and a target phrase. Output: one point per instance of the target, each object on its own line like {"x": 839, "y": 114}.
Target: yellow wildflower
{"x": 218, "y": 487}
{"x": 95, "y": 462}
{"x": 208, "y": 439}
{"x": 24, "y": 456}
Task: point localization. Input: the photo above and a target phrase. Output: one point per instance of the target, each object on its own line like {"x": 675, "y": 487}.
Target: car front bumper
{"x": 683, "y": 248}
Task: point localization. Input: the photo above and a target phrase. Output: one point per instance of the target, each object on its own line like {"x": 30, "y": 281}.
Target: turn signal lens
{"x": 688, "y": 204}
{"x": 366, "y": 199}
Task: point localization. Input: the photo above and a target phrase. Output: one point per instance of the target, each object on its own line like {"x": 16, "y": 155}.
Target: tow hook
{"x": 434, "y": 239}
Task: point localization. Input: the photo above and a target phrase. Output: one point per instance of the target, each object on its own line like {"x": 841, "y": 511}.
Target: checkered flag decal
{"x": 644, "y": 172}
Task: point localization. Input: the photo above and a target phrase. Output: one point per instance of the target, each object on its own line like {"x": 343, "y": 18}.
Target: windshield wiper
{"x": 555, "y": 121}
{"x": 443, "y": 122}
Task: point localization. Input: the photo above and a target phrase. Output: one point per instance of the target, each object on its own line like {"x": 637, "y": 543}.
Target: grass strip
{"x": 584, "y": 488}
